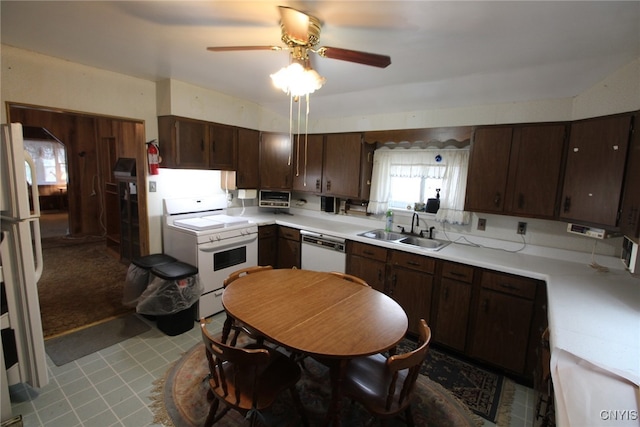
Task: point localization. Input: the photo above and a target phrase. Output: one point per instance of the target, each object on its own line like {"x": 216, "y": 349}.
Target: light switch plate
{"x": 152, "y": 186}
{"x": 482, "y": 224}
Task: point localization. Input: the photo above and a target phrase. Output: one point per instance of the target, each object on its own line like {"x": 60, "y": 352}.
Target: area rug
{"x": 81, "y": 284}
{"x": 488, "y": 394}
{"x": 72, "y": 346}
{"x": 179, "y": 400}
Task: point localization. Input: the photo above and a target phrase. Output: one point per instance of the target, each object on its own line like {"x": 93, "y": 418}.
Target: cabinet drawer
{"x": 369, "y": 251}
{"x": 508, "y": 284}
{"x": 289, "y": 233}
{"x": 267, "y": 231}
{"x": 413, "y": 261}
{"x": 463, "y": 273}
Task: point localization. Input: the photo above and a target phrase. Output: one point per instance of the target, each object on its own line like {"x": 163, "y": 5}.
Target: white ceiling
{"x": 443, "y": 54}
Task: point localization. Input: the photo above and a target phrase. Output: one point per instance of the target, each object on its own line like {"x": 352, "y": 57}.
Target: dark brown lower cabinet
{"x": 288, "y": 247}
{"x": 503, "y": 321}
{"x": 368, "y": 262}
{"x": 268, "y": 245}
{"x": 454, "y": 302}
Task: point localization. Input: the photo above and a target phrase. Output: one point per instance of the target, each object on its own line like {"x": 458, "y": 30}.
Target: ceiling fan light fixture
{"x": 297, "y": 80}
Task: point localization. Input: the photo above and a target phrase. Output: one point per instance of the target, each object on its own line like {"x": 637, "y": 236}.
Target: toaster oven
{"x": 274, "y": 199}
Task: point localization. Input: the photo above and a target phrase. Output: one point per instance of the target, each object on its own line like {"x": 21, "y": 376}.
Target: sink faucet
{"x": 415, "y": 219}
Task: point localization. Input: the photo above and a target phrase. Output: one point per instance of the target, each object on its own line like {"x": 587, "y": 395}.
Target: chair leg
{"x": 298, "y": 404}
{"x": 409, "y": 416}
{"x": 226, "y": 329}
{"x": 212, "y": 413}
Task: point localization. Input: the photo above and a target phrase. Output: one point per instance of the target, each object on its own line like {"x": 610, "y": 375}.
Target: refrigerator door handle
{"x": 38, "y": 259}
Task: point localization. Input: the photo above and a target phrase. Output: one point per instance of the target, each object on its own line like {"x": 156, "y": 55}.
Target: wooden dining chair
{"x": 351, "y": 278}
{"x": 385, "y": 386}
{"x": 247, "y": 380}
{"x": 232, "y": 325}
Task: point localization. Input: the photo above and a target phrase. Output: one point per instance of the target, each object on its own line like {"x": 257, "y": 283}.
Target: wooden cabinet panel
{"x": 535, "y": 170}
{"x": 307, "y": 163}
{"x": 343, "y": 166}
{"x": 267, "y": 245}
{"x": 453, "y": 314}
{"x": 501, "y": 332}
{"x": 509, "y": 284}
{"x": 368, "y": 262}
{"x": 630, "y": 213}
{"x": 222, "y": 147}
{"x": 412, "y": 289}
{"x": 516, "y": 170}
{"x": 248, "y": 172}
{"x": 413, "y": 261}
{"x": 288, "y": 247}
{"x": 275, "y": 161}
{"x": 595, "y": 168}
{"x": 488, "y": 166}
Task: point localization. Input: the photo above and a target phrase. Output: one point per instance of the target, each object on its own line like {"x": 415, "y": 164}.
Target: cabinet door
{"x": 630, "y": 214}
{"x": 595, "y": 167}
{"x": 247, "y": 174}
{"x": 191, "y": 144}
{"x": 267, "y": 245}
{"x": 275, "y": 161}
{"x": 412, "y": 290}
{"x": 307, "y": 163}
{"x": 501, "y": 330}
{"x": 222, "y": 147}
{"x": 342, "y": 170}
{"x": 488, "y": 168}
{"x": 453, "y": 314}
{"x": 534, "y": 170}
{"x": 371, "y": 270}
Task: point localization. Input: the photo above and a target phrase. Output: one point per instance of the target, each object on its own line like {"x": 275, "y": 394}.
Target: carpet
{"x": 488, "y": 394}
{"x": 69, "y": 347}
{"x": 81, "y": 284}
{"x": 179, "y": 399}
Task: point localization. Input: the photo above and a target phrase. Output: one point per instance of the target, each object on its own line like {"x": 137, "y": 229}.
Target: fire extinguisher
{"x": 153, "y": 155}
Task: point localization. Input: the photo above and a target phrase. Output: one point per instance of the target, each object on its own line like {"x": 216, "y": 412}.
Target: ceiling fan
{"x": 301, "y": 33}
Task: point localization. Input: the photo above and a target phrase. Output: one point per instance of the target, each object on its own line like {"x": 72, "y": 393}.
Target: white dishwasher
{"x": 320, "y": 252}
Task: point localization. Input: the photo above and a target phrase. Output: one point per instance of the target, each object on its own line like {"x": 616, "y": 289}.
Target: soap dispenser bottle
{"x": 389, "y": 220}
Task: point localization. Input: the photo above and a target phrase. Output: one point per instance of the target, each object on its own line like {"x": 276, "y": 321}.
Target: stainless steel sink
{"x": 382, "y": 235}
{"x": 433, "y": 244}
{"x": 403, "y": 239}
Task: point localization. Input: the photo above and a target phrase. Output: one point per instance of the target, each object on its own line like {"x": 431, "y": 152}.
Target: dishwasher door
{"x": 320, "y": 252}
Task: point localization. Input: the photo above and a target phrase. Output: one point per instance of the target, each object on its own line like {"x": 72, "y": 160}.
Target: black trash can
{"x": 139, "y": 277}
{"x": 180, "y": 286}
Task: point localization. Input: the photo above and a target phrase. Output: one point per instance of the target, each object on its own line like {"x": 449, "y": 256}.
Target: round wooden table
{"x": 318, "y": 314}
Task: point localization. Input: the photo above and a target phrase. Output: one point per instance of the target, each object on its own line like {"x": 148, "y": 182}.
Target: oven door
{"x": 216, "y": 260}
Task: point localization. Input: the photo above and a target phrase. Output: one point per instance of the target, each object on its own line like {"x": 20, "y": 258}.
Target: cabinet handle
{"x": 446, "y": 293}
{"x": 508, "y": 286}
{"x": 520, "y": 201}
{"x": 367, "y": 253}
{"x": 213, "y": 146}
{"x": 318, "y": 184}
{"x": 496, "y": 200}
{"x": 456, "y": 274}
{"x": 328, "y": 185}
{"x": 413, "y": 263}
{"x": 379, "y": 275}
{"x": 485, "y": 306}
{"x": 567, "y": 204}
{"x": 393, "y": 285}
{"x": 202, "y": 145}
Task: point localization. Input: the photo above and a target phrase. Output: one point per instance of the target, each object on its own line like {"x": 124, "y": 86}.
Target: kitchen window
{"x": 402, "y": 177}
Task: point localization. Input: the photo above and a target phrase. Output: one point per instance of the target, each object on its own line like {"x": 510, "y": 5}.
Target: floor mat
{"x": 74, "y": 345}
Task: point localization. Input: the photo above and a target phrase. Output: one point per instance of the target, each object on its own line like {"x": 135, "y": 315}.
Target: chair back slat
{"x": 406, "y": 368}
{"x": 243, "y": 272}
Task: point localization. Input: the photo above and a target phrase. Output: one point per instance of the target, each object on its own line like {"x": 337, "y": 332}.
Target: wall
{"x": 41, "y": 80}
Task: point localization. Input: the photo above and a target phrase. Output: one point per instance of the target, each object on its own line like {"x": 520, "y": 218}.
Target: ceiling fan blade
{"x": 373, "y": 59}
{"x": 240, "y": 48}
{"x": 295, "y": 25}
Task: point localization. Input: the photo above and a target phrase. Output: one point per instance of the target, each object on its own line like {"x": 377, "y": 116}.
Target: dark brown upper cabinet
{"x": 348, "y": 163}
{"x": 223, "y": 147}
{"x": 275, "y": 161}
{"x": 596, "y": 157}
{"x": 516, "y": 170}
{"x": 248, "y": 172}
{"x": 630, "y": 213}
{"x": 307, "y": 163}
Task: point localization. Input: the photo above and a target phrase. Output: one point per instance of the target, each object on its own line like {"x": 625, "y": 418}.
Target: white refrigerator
{"x": 23, "y": 350}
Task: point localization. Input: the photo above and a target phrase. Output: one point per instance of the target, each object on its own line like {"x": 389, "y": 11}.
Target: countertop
{"x": 594, "y": 316}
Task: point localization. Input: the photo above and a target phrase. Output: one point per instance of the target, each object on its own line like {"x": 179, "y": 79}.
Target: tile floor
{"x": 112, "y": 387}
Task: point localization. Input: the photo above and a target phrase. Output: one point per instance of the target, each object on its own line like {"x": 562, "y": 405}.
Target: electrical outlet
{"x": 152, "y": 186}
{"x": 482, "y": 224}
{"x": 522, "y": 228}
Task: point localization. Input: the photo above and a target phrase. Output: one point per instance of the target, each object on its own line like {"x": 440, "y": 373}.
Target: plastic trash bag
{"x": 135, "y": 283}
{"x": 163, "y": 297}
